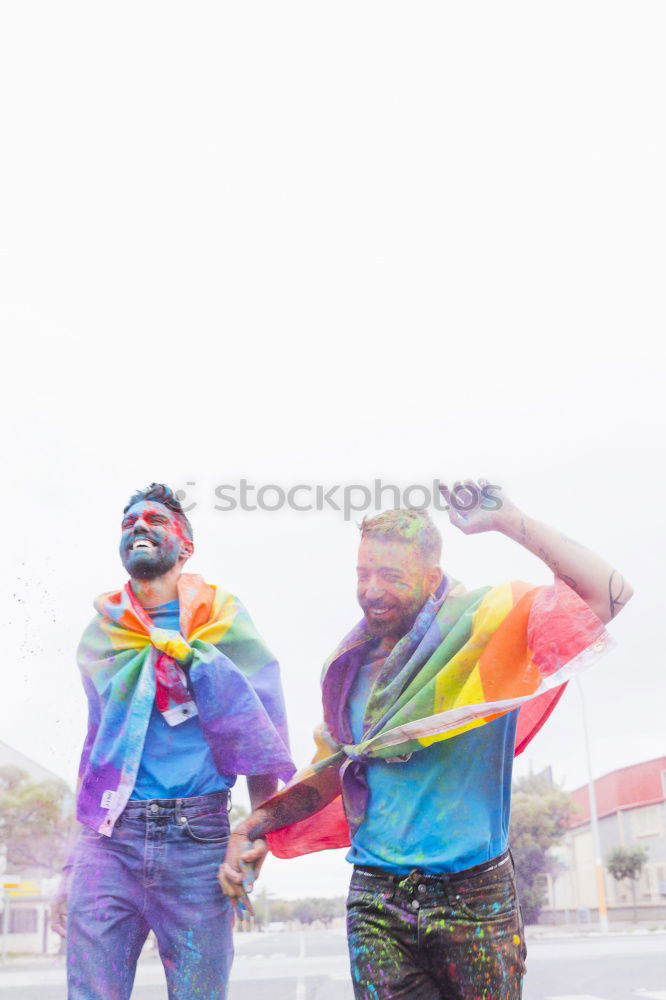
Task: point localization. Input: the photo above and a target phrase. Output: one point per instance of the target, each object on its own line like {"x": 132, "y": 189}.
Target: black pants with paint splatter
{"x": 436, "y": 937}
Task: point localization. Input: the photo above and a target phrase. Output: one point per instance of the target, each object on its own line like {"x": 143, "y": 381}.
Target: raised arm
{"x": 601, "y": 586}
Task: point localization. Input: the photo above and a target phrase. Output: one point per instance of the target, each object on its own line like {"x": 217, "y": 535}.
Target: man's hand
{"x": 241, "y": 866}
{"x": 59, "y": 907}
{"x": 244, "y": 858}
{"x": 246, "y": 844}
{"x": 476, "y": 506}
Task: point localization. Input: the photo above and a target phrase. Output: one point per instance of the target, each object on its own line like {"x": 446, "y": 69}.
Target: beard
{"x": 399, "y": 621}
{"x": 142, "y": 565}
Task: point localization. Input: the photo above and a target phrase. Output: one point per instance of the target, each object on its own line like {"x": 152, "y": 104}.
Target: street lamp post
{"x": 594, "y": 823}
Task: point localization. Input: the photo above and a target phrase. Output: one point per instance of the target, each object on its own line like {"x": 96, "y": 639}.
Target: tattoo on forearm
{"x": 572, "y": 541}
{"x": 569, "y": 580}
{"x": 615, "y": 591}
{"x": 299, "y": 803}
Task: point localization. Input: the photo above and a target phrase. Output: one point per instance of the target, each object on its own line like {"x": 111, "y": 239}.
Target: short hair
{"x": 406, "y": 525}
{"x": 163, "y": 494}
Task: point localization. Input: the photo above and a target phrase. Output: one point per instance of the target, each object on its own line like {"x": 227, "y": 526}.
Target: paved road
{"x": 313, "y": 966}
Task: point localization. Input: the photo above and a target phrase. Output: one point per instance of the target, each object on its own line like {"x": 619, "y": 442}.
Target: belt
{"x": 448, "y": 878}
{"x": 191, "y": 806}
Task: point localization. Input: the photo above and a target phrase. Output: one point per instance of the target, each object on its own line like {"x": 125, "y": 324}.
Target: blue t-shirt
{"x": 176, "y": 762}
{"x": 443, "y": 810}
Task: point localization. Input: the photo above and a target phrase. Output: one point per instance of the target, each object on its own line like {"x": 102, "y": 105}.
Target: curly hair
{"x": 160, "y": 493}
{"x": 406, "y": 525}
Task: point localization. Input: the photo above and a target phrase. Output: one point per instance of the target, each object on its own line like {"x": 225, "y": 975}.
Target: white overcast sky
{"x": 324, "y": 243}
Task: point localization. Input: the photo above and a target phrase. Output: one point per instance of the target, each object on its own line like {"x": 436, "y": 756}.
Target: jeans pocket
{"x": 362, "y": 899}
{"x": 211, "y": 828}
{"x": 485, "y": 899}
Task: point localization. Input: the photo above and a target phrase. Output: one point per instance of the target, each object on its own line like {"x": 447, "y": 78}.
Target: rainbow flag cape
{"x": 233, "y": 678}
{"x": 468, "y": 659}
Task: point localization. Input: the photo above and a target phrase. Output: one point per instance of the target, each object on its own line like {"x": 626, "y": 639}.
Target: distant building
{"x": 631, "y": 808}
{"x": 9, "y": 757}
{"x": 25, "y": 905}
{"x": 37, "y": 773}
{"x": 24, "y": 900}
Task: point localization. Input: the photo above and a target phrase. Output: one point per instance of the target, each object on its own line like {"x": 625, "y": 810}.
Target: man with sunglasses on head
{"x": 183, "y": 696}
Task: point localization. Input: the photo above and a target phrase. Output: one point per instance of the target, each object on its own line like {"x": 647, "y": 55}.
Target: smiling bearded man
{"x": 426, "y": 701}
{"x": 176, "y": 678}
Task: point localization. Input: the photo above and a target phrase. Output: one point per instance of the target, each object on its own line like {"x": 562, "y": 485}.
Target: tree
{"x": 328, "y": 909}
{"x": 305, "y": 910}
{"x": 281, "y": 911}
{"x": 540, "y": 817}
{"x": 627, "y": 863}
{"x": 35, "y": 820}
{"x": 262, "y": 904}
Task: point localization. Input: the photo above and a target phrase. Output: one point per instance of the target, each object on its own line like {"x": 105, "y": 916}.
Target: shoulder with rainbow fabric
{"x": 469, "y": 658}
{"x": 232, "y": 676}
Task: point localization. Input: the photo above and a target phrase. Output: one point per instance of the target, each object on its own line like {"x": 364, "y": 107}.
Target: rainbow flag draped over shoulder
{"x": 468, "y": 659}
{"x": 233, "y": 679}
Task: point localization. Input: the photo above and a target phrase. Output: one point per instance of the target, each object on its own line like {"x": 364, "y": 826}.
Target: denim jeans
{"x": 158, "y": 871}
{"x": 436, "y": 937}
